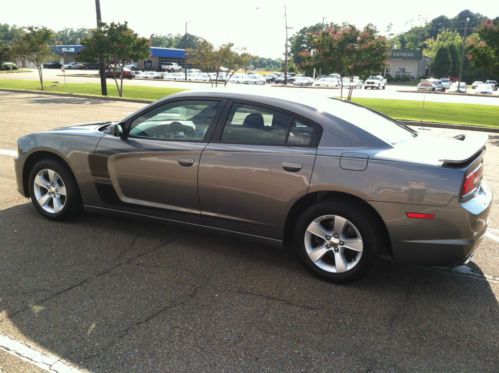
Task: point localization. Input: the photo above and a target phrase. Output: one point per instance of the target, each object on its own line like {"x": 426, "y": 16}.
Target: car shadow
{"x": 59, "y": 99}
{"x": 115, "y": 294}
{"x": 494, "y": 140}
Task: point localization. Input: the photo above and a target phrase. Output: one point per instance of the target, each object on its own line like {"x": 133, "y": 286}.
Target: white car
{"x": 484, "y": 89}
{"x": 461, "y": 89}
{"x": 375, "y": 81}
{"x": 149, "y": 75}
{"x": 171, "y": 67}
{"x": 327, "y": 82}
{"x": 303, "y": 81}
{"x": 476, "y": 83}
{"x": 355, "y": 82}
{"x": 255, "y": 79}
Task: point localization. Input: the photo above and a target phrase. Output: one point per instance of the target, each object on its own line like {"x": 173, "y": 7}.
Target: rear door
{"x": 260, "y": 163}
{"x": 155, "y": 168}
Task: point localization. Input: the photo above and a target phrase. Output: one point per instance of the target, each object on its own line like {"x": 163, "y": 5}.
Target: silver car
{"x": 339, "y": 183}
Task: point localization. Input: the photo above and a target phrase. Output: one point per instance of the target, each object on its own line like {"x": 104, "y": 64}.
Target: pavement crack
{"x": 91, "y": 278}
{"x": 276, "y": 299}
{"x": 129, "y": 247}
{"x": 188, "y": 297}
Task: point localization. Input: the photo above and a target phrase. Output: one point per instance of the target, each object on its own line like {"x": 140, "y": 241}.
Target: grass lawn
{"x": 470, "y": 114}
{"x": 130, "y": 91}
{"x": 15, "y": 71}
{"x": 442, "y": 112}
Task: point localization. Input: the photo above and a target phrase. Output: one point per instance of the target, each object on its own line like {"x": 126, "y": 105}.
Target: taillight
{"x": 472, "y": 181}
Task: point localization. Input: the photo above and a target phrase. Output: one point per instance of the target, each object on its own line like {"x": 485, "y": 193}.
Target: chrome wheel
{"x": 50, "y": 191}
{"x": 333, "y": 243}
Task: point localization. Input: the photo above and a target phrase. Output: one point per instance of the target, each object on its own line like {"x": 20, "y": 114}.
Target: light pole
{"x": 286, "y": 47}
{"x": 185, "y": 50}
{"x": 467, "y": 20}
{"x": 102, "y": 70}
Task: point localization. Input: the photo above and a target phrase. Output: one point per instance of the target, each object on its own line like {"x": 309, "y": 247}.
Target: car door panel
{"x": 251, "y": 188}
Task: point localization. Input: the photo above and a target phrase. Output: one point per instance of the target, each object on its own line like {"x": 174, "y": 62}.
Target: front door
{"x": 155, "y": 167}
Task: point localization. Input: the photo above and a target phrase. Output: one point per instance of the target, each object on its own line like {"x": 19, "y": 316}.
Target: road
{"x": 112, "y": 294}
{"x": 392, "y": 91}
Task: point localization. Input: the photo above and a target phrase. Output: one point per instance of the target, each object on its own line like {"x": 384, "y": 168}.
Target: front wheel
{"x": 337, "y": 240}
{"x": 53, "y": 190}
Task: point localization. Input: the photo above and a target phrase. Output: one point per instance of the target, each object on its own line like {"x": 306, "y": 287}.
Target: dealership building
{"x": 407, "y": 63}
{"x": 157, "y": 56}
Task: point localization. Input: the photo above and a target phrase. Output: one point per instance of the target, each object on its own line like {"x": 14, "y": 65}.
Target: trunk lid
{"x": 437, "y": 150}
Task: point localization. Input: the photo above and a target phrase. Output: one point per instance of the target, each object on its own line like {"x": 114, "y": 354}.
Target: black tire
{"x": 365, "y": 222}
{"x": 73, "y": 204}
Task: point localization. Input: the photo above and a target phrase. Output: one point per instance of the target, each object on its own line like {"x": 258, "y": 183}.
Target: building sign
{"x": 406, "y": 54}
{"x": 68, "y": 50}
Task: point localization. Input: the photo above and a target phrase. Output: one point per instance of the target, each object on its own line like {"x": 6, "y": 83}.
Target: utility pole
{"x": 462, "y": 54}
{"x": 102, "y": 68}
{"x": 286, "y": 47}
{"x": 185, "y": 50}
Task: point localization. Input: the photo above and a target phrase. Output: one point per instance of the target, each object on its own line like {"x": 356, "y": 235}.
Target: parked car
{"x": 75, "y": 66}
{"x": 446, "y": 82}
{"x": 375, "y": 81}
{"x": 127, "y": 73}
{"x": 255, "y": 79}
{"x": 303, "y": 81}
{"x": 280, "y": 79}
{"x": 270, "y": 78}
{"x": 493, "y": 83}
{"x": 354, "y": 82}
{"x": 8, "y": 66}
{"x": 434, "y": 85}
{"x": 327, "y": 82}
{"x": 171, "y": 67}
{"x": 52, "y": 65}
{"x": 149, "y": 75}
{"x": 459, "y": 87}
{"x": 409, "y": 196}
{"x": 476, "y": 83}
{"x": 132, "y": 66}
{"x": 484, "y": 89}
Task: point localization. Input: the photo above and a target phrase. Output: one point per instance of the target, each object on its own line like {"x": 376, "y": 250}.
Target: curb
{"x": 450, "y": 126}
{"x": 95, "y": 97}
{"x": 447, "y": 93}
{"x": 142, "y": 101}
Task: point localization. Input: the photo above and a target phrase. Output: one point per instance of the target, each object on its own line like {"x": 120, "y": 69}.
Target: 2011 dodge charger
{"x": 340, "y": 183}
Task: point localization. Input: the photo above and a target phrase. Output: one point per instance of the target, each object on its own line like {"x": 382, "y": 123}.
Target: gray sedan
{"x": 339, "y": 183}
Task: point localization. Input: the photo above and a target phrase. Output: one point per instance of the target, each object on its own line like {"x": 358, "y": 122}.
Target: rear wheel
{"x": 337, "y": 240}
{"x": 53, "y": 190}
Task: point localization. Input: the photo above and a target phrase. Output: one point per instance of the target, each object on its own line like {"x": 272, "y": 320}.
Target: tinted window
{"x": 301, "y": 134}
{"x": 248, "y": 124}
{"x": 179, "y": 121}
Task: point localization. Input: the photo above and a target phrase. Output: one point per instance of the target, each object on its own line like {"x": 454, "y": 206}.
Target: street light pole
{"x": 102, "y": 70}
{"x": 462, "y": 54}
{"x": 185, "y": 50}
{"x": 286, "y": 47}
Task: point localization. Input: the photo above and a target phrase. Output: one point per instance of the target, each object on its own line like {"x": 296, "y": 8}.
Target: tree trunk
{"x": 350, "y": 90}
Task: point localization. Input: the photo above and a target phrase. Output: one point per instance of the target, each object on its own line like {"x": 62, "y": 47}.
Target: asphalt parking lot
{"x": 112, "y": 294}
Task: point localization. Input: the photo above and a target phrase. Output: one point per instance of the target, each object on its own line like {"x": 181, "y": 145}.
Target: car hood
{"x": 81, "y": 128}
{"x": 436, "y": 149}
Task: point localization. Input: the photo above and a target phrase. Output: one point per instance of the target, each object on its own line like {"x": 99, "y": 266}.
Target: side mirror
{"x": 117, "y": 130}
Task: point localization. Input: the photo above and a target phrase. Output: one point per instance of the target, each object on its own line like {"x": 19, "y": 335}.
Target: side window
{"x": 249, "y": 124}
{"x": 301, "y": 134}
{"x": 179, "y": 121}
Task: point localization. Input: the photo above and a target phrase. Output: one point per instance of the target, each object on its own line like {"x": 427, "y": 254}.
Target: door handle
{"x": 292, "y": 167}
{"x": 186, "y": 162}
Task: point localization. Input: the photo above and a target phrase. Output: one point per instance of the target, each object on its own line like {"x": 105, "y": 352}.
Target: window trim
{"x": 209, "y": 132}
{"x": 224, "y": 117}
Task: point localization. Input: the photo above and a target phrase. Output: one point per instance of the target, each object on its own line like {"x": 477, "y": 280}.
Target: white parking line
{"x": 48, "y": 362}
{"x": 8, "y": 152}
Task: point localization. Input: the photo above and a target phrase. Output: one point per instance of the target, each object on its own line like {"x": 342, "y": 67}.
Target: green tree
{"x": 349, "y": 51}
{"x": 483, "y": 51}
{"x": 5, "y": 52}
{"x": 33, "y": 46}
{"x": 118, "y": 45}
{"x": 300, "y": 45}
{"x": 454, "y": 54}
{"x": 68, "y": 36}
{"x": 441, "y": 65}
{"x": 9, "y": 33}
{"x": 175, "y": 41}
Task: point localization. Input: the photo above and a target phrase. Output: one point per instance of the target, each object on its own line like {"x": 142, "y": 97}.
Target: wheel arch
{"x": 37, "y": 156}
{"x": 314, "y": 197}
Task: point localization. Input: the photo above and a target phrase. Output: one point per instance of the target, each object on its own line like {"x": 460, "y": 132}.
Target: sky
{"x": 256, "y": 26}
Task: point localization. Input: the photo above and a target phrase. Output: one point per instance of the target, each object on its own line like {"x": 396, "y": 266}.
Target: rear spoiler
{"x": 473, "y": 146}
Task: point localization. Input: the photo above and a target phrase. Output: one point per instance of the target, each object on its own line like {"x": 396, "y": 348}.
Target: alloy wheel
{"x": 50, "y": 191}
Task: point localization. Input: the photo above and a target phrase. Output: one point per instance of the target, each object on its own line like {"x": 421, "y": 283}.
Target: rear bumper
{"x": 448, "y": 240}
